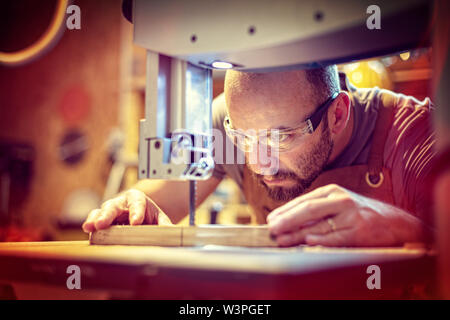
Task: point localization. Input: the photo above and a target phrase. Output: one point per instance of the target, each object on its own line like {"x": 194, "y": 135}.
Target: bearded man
{"x": 351, "y": 164}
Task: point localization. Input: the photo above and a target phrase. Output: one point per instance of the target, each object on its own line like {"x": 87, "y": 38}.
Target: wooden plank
{"x": 242, "y": 236}
{"x": 169, "y": 236}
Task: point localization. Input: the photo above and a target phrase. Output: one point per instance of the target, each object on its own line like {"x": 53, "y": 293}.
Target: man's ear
{"x": 339, "y": 113}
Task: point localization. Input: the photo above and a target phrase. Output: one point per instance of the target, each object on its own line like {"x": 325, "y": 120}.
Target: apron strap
{"x": 374, "y": 176}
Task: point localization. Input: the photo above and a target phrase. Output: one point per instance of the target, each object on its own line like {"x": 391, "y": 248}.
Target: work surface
{"x": 211, "y": 257}
{"x": 218, "y": 271}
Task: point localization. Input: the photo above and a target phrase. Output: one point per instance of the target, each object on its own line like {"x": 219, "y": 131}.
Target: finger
{"x": 319, "y": 228}
{"x": 333, "y": 239}
{"x": 154, "y": 214}
{"x": 137, "y": 204}
{"x": 163, "y": 219}
{"x": 316, "y": 193}
{"x": 89, "y": 224}
{"x": 110, "y": 210}
{"x": 321, "y": 192}
{"x": 298, "y": 237}
{"x": 312, "y": 210}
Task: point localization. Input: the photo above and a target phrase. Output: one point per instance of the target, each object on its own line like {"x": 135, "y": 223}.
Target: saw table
{"x": 40, "y": 270}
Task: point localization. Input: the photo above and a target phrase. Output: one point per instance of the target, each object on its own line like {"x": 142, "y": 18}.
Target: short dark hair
{"x": 320, "y": 82}
{"x": 324, "y": 82}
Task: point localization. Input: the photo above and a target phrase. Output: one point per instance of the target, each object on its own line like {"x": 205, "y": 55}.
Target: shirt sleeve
{"x": 218, "y": 116}
{"x": 409, "y": 153}
{"x": 227, "y": 158}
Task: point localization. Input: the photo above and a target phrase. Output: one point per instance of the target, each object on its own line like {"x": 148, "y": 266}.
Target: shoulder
{"x": 409, "y": 152}
{"x": 398, "y": 101}
{"x": 219, "y": 106}
{"x": 411, "y": 116}
{"x": 411, "y": 119}
{"x": 370, "y": 100}
{"x": 225, "y": 153}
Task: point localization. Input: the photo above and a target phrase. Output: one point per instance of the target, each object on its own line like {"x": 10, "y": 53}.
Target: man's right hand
{"x": 132, "y": 206}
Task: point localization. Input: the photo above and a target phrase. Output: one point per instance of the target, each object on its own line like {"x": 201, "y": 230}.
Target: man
{"x": 343, "y": 179}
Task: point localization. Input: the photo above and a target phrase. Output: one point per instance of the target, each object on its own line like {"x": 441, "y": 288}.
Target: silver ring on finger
{"x": 331, "y": 224}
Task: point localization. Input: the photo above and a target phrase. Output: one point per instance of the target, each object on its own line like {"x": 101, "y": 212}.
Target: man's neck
{"x": 341, "y": 143}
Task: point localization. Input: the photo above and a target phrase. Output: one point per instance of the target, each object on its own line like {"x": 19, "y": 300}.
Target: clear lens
{"x": 280, "y": 140}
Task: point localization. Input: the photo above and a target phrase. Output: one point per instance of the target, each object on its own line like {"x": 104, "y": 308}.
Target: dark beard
{"x": 313, "y": 163}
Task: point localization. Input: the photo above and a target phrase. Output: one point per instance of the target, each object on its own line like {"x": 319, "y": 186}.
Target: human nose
{"x": 262, "y": 159}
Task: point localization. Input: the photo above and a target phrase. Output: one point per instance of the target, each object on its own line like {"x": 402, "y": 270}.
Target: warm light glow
{"x": 221, "y": 65}
{"x": 405, "y": 55}
{"x": 357, "y": 77}
{"x": 368, "y": 74}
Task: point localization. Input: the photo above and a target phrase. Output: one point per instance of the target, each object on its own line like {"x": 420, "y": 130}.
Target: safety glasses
{"x": 280, "y": 140}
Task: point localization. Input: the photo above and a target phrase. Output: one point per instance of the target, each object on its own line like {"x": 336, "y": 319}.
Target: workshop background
{"x": 69, "y": 120}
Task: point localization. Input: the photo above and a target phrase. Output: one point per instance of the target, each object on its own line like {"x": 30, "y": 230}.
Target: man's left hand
{"x": 334, "y": 216}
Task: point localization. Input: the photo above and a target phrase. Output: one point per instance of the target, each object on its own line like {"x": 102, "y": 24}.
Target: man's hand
{"x": 132, "y": 206}
{"x": 334, "y": 216}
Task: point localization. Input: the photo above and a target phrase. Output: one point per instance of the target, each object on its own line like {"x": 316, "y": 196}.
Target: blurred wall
{"x": 74, "y": 86}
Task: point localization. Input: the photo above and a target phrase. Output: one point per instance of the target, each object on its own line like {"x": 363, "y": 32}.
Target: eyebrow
{"x": 314, "y": 116}
{"x": 281, "y": 128}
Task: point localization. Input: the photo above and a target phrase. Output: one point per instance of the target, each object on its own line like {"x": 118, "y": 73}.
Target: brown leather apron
{"x": 372, "y": 179}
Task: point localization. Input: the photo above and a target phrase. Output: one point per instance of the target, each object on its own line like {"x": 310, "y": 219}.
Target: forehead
{"x": 269, "y": 100}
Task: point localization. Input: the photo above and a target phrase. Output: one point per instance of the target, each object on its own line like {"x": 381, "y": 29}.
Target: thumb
{"x": 154, "y": 214}
{"x": 163, "y": 219}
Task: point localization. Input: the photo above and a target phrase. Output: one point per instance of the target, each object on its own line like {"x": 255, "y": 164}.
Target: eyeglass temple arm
{"x": 316, "y": 117}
